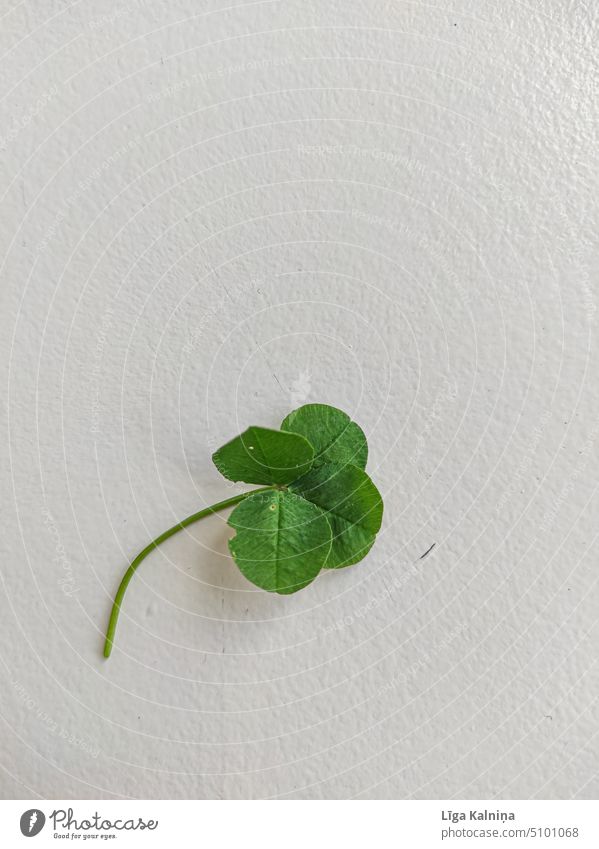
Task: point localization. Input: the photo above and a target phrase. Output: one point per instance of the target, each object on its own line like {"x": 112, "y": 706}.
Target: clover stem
{"x": 207, "y": 511}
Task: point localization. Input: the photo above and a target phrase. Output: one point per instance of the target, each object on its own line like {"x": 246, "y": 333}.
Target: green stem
{"x": 207, "y": 511}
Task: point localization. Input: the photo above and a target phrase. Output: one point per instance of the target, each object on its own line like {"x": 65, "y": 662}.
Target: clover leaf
{"x": 352, "y": 505}
{"x": 336, "y": 439}
{"x": 261, "y": 455}
{"x": 282, "y": 540}
{"x": 318, "y": 509}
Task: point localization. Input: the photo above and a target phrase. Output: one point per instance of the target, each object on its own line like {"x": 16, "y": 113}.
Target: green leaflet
{"x": 261, "y": 455}
{"x": 335, "y": 438}
{"x": 353, "y": 507}
{"x": 282, "y": 540}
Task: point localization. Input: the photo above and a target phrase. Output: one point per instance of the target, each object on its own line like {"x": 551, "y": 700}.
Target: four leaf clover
{"x": 323, "y": 511}
{"x": 317, "y": 508}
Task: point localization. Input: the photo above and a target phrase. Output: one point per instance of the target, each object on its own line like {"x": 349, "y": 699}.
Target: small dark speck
{"x": 428, "y": 551}
{"x": 548, "y": 716}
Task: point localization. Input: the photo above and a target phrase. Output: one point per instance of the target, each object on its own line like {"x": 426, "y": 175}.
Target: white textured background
{"x": 211, "y": 214}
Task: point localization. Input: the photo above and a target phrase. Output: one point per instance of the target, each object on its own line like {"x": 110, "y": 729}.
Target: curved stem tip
{"x": 207, "y": 511}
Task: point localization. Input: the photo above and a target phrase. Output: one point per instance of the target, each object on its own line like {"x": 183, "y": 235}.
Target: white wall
{"x": 211, "y": 213}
